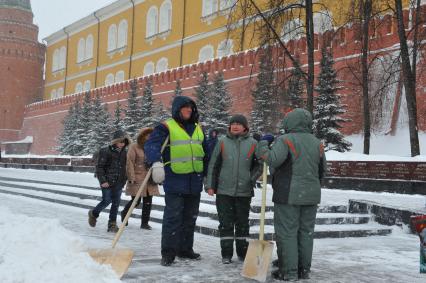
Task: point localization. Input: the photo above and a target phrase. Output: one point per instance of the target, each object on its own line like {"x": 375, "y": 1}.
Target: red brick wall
{"x": 21, "y": 69}
{"x": 43, "y": 120}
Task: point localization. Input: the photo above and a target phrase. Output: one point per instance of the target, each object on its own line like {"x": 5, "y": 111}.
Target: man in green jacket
{"x": 297, "y": 162}
{"x": 232, "y": 173}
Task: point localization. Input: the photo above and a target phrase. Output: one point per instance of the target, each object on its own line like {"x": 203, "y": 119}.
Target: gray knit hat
{"x": 240, "y": 119}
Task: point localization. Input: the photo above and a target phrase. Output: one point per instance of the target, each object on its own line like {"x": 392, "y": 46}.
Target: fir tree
{"x": 178, "y": 89}
{"x": 132, "y": 120}
{"x": 328, "y": 108}
{"x": 85, "y": 129}
{"x": 265, "y": 101}
{"x": 220, "y": 109}
{"x": 101, "y": 123}
{"x": 65, "y": 142}
{"x": 203, "y": 96}
{"x": 296, "y": 86}
{"x": 160, "y": 113}
{"x": 118, "y": 122}
{"x": 147, "y": 106}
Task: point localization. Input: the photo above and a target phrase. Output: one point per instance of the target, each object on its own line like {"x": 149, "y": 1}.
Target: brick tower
{"x": 21, "y": 65}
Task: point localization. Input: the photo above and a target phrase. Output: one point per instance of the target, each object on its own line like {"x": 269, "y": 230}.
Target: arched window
{"x": 53, "y": 94}
{"x": 162, "y": 65}
{"x": 209, "y": 7}
{"x": 60, "y": 93}
{"x": 225, "y": 48}
{"x": 166, "y": 16}
{"x": 87, "y": 85}
{"x": 148, "y": 69}
{"x": 109, "y": 80}
{"x": 55, "y": 60}
{"x": 293, "y": 29}
{"x": 81, "y": 50}
{"x": 226, "y": 4}
{"x": 62, "y": 58}
{"x": 78, "y": 87}
{"x": 89, "y": 47}
{"x": 112, "y": 37}
{"x": 152, "y": 21}
{"x": 322, "y": 21}
{"x": 119, "y": 76}
{"x": 206, "y": 53}
{"x": 122, "y": 34}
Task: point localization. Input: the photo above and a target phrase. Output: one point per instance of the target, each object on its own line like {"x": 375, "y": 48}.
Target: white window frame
{"x": 60, "y": 92}
{"x": 226, "y": 4}
{"x": 62, "y": 57}
{"x": 81, "y": 46}
{"x": 209, "y": 7}
{"x": 87, "y": 85}
{"x": 109, "y": 79}
{"x": 122, "y": 34}
{"x": 53, "y": 94}
{"x": 149, "y": 68}
{"x": 225, "y": 48}
{"x": 162, "y": 65}
{"x": 112, "y": 37}
{"x": 78, "y": 87}
{"x": 296, "y": 30}
{"x": 206, "y": 53}
{"x": 89, "y": 47}
{"x": 119, "y": 76}
{"x": 165, "y": 19}
{"x": 322, "y": 21}
{"x": 152, "y": 21}
{"x": 55, "y": 60}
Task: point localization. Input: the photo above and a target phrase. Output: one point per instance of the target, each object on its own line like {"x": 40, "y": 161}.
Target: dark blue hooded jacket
{"x": 191, "y": 183}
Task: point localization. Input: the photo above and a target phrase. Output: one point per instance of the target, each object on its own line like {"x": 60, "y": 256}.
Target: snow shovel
{"x": 259, "y": 252}
{"x": 120, "y": 259}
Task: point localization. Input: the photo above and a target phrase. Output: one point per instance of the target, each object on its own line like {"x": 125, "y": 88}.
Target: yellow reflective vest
{"x": 186, "y": 153}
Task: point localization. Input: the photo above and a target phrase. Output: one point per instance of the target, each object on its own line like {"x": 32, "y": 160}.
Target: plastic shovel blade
{"x": 258, "y": 259}
{"x": 119, "y": 259}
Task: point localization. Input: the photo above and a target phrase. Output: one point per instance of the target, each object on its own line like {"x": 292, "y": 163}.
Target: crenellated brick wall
{"x": 43, "y": 119}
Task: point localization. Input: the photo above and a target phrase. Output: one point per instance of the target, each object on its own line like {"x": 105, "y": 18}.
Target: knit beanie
{"x": 240, "y": 119}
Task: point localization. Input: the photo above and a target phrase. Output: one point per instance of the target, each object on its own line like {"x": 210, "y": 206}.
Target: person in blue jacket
{"x": 181, "y": 169}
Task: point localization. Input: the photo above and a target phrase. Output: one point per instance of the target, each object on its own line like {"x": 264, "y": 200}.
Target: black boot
{"x": 146, "y": 212}
{"x": 92, "y": 218}
{"x": 112, "y": 227}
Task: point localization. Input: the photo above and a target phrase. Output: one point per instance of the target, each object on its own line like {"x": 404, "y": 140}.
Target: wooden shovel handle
{"x": 262, "y": 208}
{"x": 135, "y": 201}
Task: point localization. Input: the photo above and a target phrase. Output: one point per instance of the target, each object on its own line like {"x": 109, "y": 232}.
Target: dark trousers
{"x": 111, "y": 195}
{"x": 146, "y": 208}
{"x": 180, "y": 215}
{"x": 233, "y": 215}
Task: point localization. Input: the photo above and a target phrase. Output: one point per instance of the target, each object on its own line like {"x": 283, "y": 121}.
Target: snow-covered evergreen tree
{"x": 203, "y": 96}
{"x": 296, "y": 87}
{"x": 147, "y": 106}
{"x": 219, "y": 110}
{"x": 85, "y": 129}
{"x": 265, "y": 98}
{"x": 178, "y": 89}
{"x": 66, "y": 144}
{"x": 160, "y": 113}
{"x": 328, "y": 108}
{"x": 102, "y": 125}
{"x": 118, "y": 121}
{"x": 132, "y": 120}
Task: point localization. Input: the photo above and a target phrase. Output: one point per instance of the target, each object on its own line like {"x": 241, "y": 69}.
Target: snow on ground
{"x": 37, "y": 249}
{"x": 41, "y": 241}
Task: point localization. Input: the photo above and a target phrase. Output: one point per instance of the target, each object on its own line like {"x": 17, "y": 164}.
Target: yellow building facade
{"x": 132, "y": 38}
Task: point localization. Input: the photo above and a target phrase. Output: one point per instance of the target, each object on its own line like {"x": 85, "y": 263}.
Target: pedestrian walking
{"x": 137, "y": 170}
{"x": 111, "y": 173}
{"x": 297, "y": 163}
{"x": 181, "y": 167}
{"x": 232, "y": 174}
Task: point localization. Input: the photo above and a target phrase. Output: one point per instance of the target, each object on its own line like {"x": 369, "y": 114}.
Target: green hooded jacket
{"x": 233, "y": 167}
{"x": 297, "y": 161}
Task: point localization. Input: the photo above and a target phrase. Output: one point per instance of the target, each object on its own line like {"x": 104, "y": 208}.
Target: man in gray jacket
{"x": 232, "y": 173}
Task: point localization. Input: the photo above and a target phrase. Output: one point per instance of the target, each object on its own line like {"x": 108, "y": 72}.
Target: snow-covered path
{"x": 391, "y": 258}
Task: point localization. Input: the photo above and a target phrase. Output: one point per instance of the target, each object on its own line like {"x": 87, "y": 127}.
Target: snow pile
{"x": 41, "y": 250}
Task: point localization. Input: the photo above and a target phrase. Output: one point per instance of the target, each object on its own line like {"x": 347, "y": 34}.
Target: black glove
{"x": 269, "y": 138}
